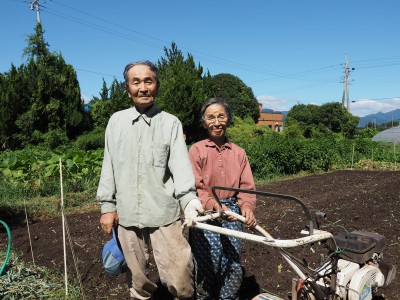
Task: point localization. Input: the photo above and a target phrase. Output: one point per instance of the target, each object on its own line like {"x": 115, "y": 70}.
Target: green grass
{"x": 46, "y": 207}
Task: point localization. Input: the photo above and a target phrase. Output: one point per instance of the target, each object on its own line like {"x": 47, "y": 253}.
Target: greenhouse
{"x": 388, "y": 135}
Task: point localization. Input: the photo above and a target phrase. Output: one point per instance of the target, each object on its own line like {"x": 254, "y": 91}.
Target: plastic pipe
{"x": 8, "y": 247}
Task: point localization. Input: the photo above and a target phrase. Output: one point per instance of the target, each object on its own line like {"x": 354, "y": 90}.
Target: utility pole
{"x": 392, "y": 119}
{"x": 35, "y": 3}
{"x": 345, "y": 95}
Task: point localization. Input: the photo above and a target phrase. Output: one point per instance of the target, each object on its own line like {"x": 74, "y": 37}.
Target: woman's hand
{"x": 248, "y": 213}
{"x": 224, "y": 208}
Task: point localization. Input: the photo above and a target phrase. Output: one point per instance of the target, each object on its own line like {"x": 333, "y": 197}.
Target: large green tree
{"x": 237, "y": 93}
{"x": 100, "y": 107}
{"x": 42, "y": 96}
{"x": 13, "y": 95}
{"x": 330, "y": 116}
{"x": 182, "y": 90}
{"x": 111, "y": 99}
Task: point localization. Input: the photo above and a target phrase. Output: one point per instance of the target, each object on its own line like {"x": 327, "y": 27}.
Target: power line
{"x": 98, "y": 73}
{"x": 203, "y": 56}
{"x": 98, "y": 27}
{"x": 377, "y": 99}
{"x": 151, "y": 41}
{"x": 294, "y": 75}
{"x": 377, "y": 62}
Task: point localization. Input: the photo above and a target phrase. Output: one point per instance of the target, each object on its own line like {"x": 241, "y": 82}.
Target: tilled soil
{"x": 352, "y": 200}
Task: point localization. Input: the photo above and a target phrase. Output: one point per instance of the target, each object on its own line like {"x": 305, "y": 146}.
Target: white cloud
{"x": 365, "y": 107}
{"x": 277, "y": 104}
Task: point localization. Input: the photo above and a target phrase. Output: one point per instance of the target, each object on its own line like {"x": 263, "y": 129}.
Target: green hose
{"x": 8, "y": 247}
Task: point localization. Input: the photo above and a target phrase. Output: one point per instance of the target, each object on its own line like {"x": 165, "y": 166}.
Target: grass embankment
{"x": 38, "y": 208}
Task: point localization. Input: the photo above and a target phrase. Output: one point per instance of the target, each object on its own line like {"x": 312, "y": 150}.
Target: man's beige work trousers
{"x": 171, "y": 252}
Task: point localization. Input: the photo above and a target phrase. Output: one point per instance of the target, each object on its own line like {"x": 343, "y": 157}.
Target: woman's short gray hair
{"x": 219, "y": 101}
{"x": 152, "y": 67}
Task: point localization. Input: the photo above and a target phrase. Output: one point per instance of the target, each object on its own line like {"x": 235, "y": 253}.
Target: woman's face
{"x": 215, "y": 121}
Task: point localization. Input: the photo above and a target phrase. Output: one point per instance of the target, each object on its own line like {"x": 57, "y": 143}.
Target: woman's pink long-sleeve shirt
{"x": 226, "y": 166}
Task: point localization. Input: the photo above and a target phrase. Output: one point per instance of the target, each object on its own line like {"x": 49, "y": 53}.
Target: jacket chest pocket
{"x": 159, "y": 154}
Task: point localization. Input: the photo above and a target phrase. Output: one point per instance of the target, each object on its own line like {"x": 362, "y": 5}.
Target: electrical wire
{"x": 151, "y": 41}
{"x": 203, "y": 55}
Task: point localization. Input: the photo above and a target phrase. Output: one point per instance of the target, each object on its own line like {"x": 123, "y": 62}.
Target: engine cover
{"x": 346, "y": 272}
{"x": 363, "y": 281}
{"x": 355, "y": 247}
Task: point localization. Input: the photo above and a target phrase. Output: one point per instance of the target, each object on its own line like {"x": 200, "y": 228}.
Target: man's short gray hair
{"x": 152, "y": 67}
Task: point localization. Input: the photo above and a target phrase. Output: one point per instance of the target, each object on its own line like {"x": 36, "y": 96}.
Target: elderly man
{"x": 146, "y": 180}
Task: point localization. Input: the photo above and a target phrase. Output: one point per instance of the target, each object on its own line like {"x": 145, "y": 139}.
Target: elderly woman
{"x": 218, "y": 162}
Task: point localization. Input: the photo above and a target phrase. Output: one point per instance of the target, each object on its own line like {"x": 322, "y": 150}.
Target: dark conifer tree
{"x": 42, "y": 97}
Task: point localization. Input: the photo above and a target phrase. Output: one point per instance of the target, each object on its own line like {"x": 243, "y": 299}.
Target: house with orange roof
{"x": 273, "y": 120}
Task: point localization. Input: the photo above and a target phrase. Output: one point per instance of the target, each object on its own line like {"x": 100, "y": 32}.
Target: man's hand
{"x": 108, "y": 221}
{"x": 193, "y": 209}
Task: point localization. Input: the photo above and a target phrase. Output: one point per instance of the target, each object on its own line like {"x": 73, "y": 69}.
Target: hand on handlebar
{"x": 248, "y": 213}
{"x": 224, "y": 208}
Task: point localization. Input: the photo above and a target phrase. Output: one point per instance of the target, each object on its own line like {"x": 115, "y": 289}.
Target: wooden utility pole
{"x": 345, "y": 95}
{"x": 35, "y": 4}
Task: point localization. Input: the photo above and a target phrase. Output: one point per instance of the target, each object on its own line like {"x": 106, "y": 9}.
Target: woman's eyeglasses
{"x": 213, "y": 119}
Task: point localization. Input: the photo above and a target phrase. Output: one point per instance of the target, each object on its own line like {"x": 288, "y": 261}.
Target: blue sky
{"x": 287, "y": 51}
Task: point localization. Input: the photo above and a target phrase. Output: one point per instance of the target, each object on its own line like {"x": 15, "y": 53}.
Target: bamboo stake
{"x": 29, "y": 234}
{"x": 372, "y": 160}
{"x": 63, "y": 231}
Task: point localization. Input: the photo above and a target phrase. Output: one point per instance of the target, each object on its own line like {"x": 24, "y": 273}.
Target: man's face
{"x": 141, "y": 86}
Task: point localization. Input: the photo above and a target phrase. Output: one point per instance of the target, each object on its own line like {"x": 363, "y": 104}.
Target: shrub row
{"x": 35, "y": 172}
{"x": 277, "y": 154}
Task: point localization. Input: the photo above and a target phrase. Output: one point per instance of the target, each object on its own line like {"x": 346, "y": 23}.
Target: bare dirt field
{"x": 352, "y": 200}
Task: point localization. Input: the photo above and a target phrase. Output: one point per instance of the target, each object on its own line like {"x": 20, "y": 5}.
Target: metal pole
{"x": 34, "y": 4}
{"x": 346, "y": 93}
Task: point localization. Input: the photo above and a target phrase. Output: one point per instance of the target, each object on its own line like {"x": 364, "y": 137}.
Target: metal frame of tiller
{"x": 306, "y": 274}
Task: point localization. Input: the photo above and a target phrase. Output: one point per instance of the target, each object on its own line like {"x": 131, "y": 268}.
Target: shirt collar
{"x": 227, "y": 144}
{"x": 147, "y": 115}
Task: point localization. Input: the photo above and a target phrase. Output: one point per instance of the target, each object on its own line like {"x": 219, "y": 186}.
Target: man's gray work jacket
{"x": 146, "y": 174}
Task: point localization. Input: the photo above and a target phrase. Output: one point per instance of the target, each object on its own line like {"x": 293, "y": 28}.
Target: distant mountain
{"x": 380, "y": 118}
{"x": 271, "y": 111}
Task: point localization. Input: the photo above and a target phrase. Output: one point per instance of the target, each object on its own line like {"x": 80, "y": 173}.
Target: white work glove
{"x": 193, "y": 209}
